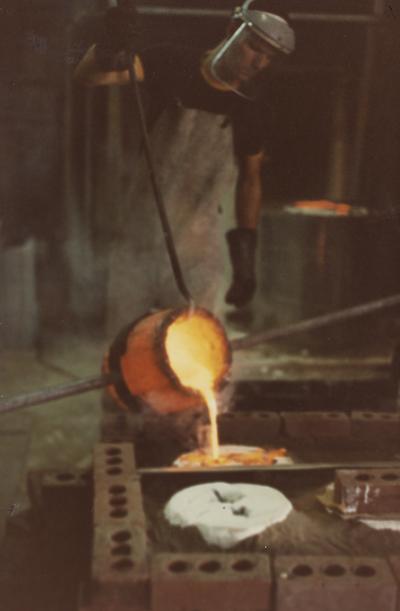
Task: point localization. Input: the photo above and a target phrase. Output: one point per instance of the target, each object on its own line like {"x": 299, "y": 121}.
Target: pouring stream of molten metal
{"x": 190, "y": 354}
{"x": 210, "y": 399}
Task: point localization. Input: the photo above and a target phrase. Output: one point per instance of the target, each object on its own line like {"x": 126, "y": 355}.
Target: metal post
{"x": 337, "y": 173}
{"x": 364, "y": 101}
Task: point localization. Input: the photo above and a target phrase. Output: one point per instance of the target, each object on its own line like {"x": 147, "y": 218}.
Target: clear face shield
{"x": 251, "y": 48}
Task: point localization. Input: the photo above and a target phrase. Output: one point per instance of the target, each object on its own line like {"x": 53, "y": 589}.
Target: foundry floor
{"x": 61, "y": 435}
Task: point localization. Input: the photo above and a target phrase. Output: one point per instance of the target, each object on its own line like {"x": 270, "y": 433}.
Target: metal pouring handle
{"x": 158, "y": 196}
{"x": 315, "y": 323}
{"x": 56, "y": 392}
{"x": 76, "y": 388}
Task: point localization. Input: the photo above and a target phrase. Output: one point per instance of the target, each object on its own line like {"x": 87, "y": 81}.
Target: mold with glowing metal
{"x": 234, "y": 455}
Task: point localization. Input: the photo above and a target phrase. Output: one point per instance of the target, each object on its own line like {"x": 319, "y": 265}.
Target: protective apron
{"x": 193, "y": 157}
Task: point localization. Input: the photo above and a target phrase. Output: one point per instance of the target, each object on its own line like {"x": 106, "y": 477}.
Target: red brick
{"x": 211, "y": 582}
{"x": 334, "y": 583}
{"x": 316, "y": 424}
{"x": 119, "y": 499}
{"x": 113, "y": 456}
{"x": 368, "y": 491}
{"x": 375, "y": 425}
{"x": 249, "y": 428}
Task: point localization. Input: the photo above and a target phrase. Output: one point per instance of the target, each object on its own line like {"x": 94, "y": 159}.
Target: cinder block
{"x": 119, "y": 559}
{"x": 316, "y": 424}
{"x": 368, "y": 491}
{"x": 117, "y": 489}
{"x": 249, "y": 428}
{"x": 119, "y": 582}
{"x": 65, "y": 479}
{"x": 124, "y": 587}
{"x": 120, "y": 575}
{"x": 334, "y": 583}
{"x": 376, "y": 426}
{"x": 114, "y": 457}
{"x": 211, "y": 582}
{"x": 60, "y": 498}
{"x": 119, "y": 501}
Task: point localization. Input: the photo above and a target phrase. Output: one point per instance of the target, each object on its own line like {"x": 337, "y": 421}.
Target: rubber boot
{"x": 242, "y": 244}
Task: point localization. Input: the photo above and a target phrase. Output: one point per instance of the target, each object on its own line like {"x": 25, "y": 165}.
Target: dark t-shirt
{"x": 172, "y": 74}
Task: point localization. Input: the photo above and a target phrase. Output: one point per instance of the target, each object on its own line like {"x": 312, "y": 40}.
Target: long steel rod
{"x": 129, "y": 5}
{"x": 158, "y": 196}
{"x": 56, "y": 392}
{"x": 305, "y": 466}
{"x": 316, "y": 323}
{"x": 94, "y": 383}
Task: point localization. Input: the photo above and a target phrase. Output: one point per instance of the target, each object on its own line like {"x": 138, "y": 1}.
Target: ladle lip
{"x": 162, "y": 356}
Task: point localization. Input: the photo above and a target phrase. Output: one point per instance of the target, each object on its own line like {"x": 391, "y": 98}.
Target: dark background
{"x": 335, "y": 130}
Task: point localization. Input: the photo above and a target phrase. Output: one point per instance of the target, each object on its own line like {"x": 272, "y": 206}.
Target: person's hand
{"x": 117, "y": 39}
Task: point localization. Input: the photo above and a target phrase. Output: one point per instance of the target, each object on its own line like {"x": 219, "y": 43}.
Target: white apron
{"x": 193, "y": 157}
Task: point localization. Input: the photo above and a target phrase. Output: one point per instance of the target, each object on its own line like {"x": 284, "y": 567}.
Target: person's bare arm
{"x": 88, "y": 73}
{"x": 248, "y": 197}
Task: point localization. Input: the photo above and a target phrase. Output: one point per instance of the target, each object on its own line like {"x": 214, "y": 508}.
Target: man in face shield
{"x": 240, "y": 58}
{"x": 246, "y": 59}
{"x": 221, "y": 81}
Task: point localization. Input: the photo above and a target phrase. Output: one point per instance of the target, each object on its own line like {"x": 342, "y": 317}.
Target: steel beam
{"x": 170, "y": 11}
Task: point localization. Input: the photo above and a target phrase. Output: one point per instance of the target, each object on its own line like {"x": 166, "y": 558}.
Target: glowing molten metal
{"x": 235, "y": 456}
{"x": 337, "y": 209}
{"x": 193, "y": 345}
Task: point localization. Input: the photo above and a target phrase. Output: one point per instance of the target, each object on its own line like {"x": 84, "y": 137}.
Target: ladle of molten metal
{"x": 174, "y": 360}
{"x": 171, "y": 360}
{"x": 114, "y": 378}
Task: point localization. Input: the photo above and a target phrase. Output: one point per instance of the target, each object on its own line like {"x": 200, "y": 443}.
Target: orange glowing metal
{"x": 232, "y": 455}
{"x": 324, "y": 204}
{"x": 194, "y": 354}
